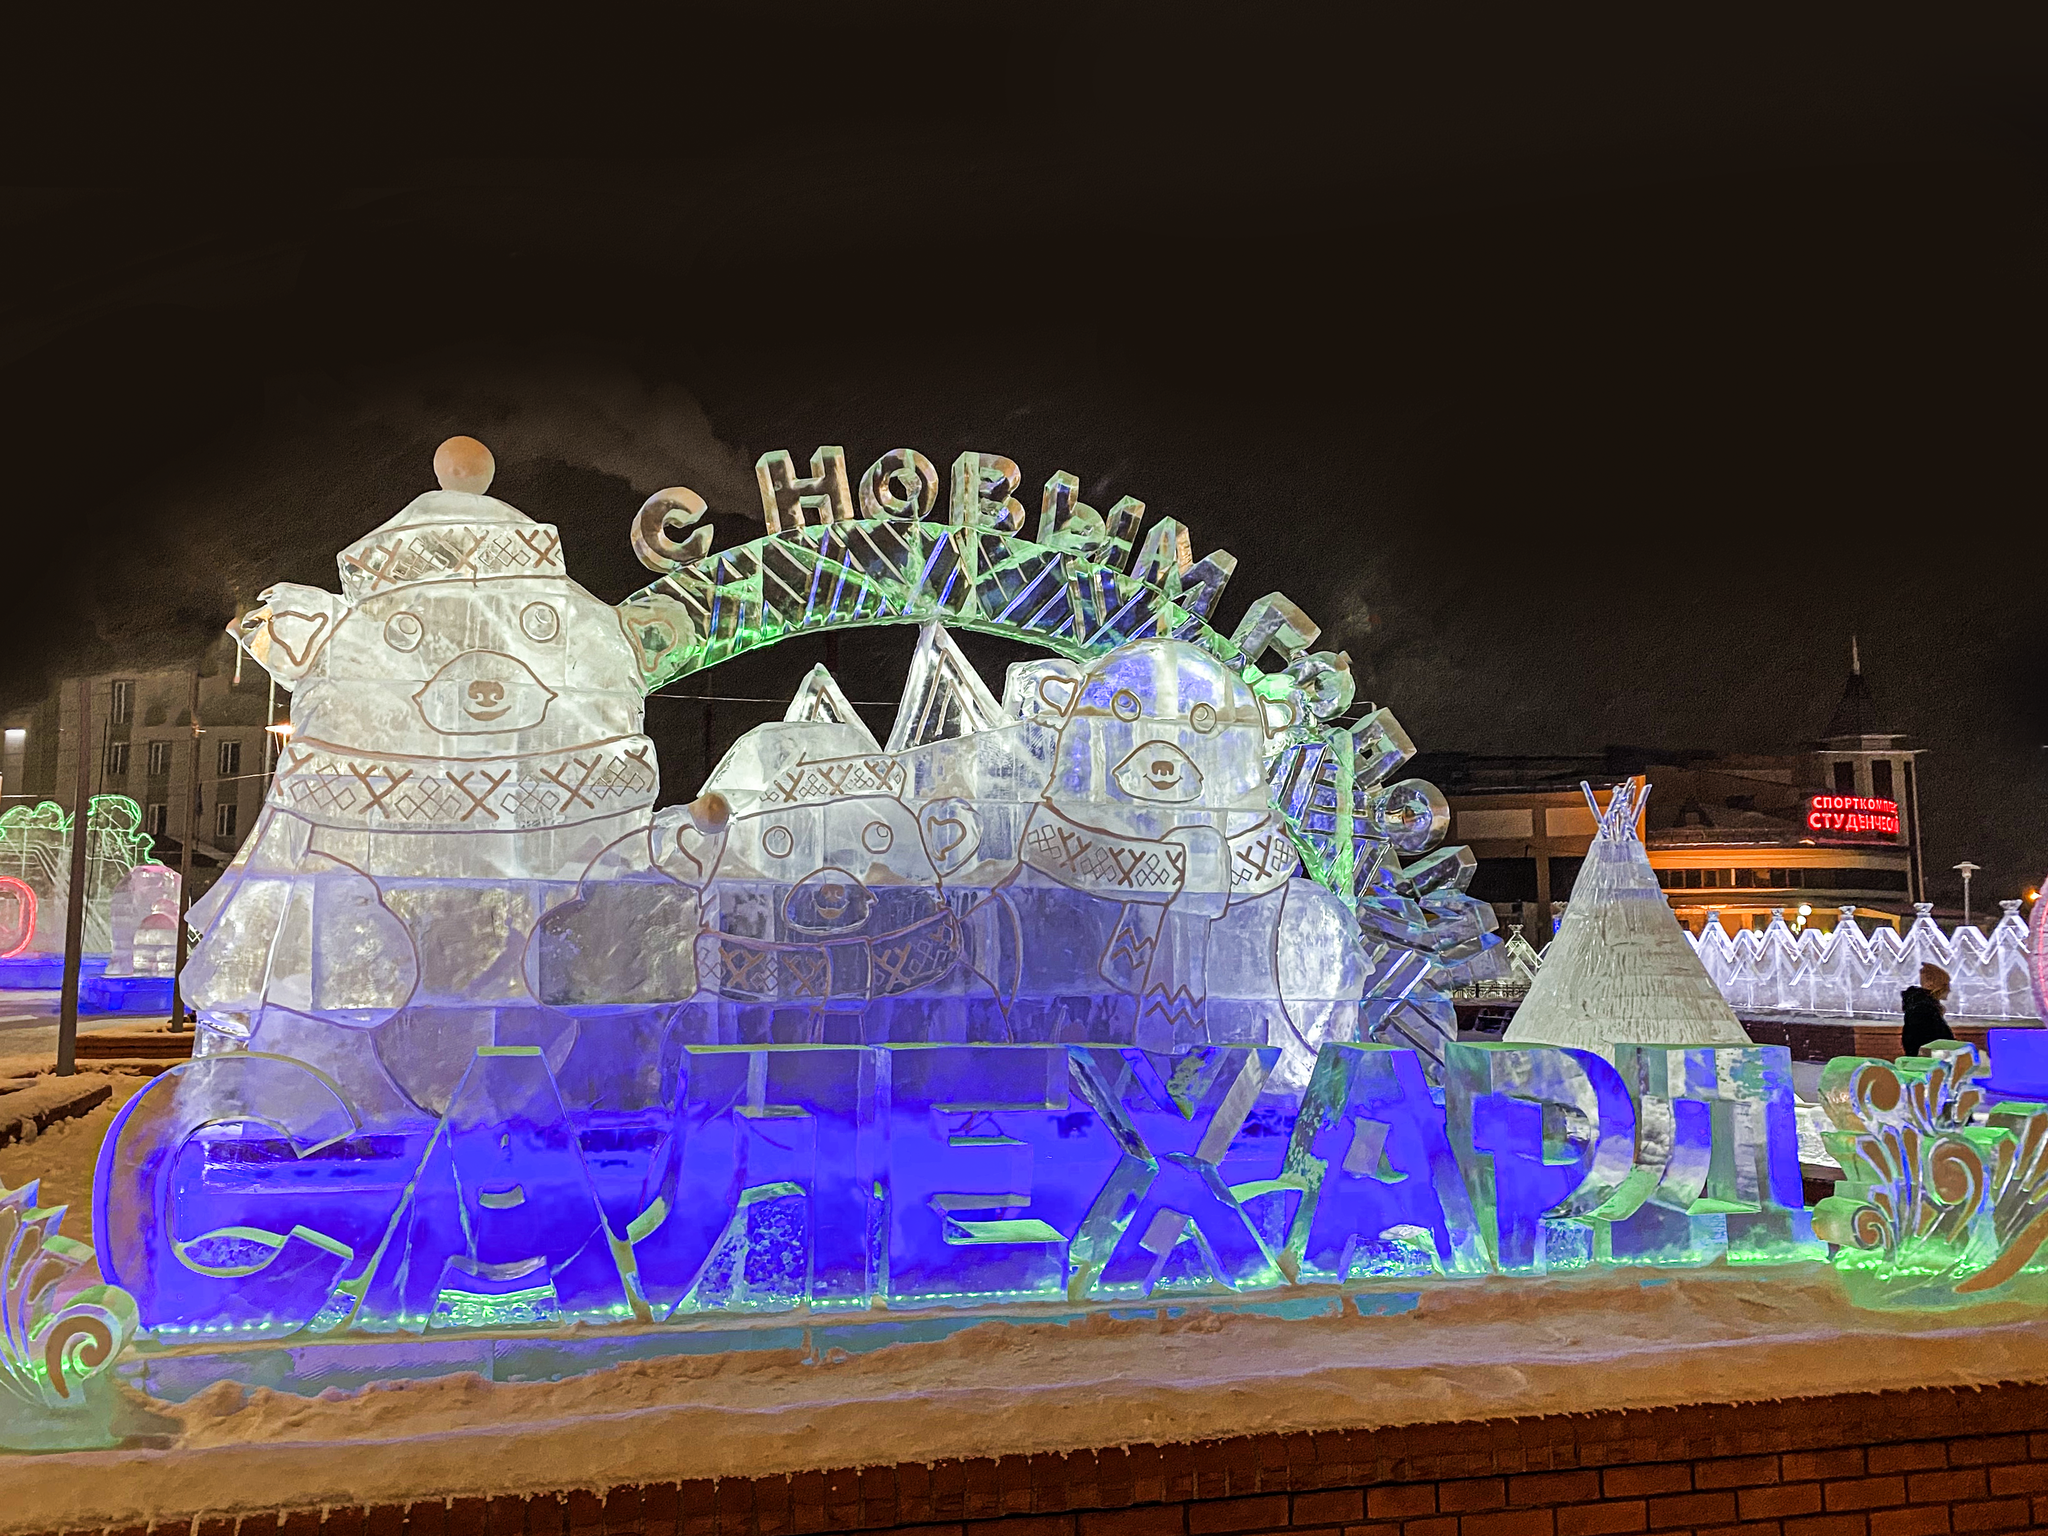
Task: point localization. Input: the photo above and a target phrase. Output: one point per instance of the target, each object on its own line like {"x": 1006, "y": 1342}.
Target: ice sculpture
{"x": 1936, "y": 1210}
{"x": 1084, "y": 585}
{"x": 486, "y": 1040}
{"x": 1844, "y": 974}
{"x": 1620, "y": 968}
{"x": 1845, "y": 959}
{"x": 35, "y": 878}
{"x": 1096, "y": 859}
{"x": 2037, "y": 959}
{"x": 466, "y": 742}
{"x": 57, "y": 1341}
{"x": 143, "y": 917}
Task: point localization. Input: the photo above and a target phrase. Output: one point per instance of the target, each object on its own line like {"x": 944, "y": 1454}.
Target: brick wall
{"x": 1889, "y": 1464}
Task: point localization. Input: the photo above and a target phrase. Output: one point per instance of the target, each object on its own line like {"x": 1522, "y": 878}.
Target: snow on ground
{"x": 62, "y": 1156}
{"x": 1471, "y": 1350}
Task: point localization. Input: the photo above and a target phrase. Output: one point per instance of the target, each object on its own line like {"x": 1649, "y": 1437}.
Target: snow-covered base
{"x": 1473, "y": 1350}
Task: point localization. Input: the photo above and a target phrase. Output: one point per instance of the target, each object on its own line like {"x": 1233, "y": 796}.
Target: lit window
{"x": 17, "y": 740}
{"x": 116, "y": 765}
{"x": 159, "y": 759}
{"x": 230, "y": 759}
{"x": 224, "y": 820}
{"x": 123, "y": 701}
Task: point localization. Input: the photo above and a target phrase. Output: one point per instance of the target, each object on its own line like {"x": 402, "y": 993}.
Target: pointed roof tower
{"x": 1855, "y": 724}
{"x": 1620, "y": 967}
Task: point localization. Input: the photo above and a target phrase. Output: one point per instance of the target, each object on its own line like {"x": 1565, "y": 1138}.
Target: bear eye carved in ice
{"x": 483, "y": 692}
{"x": 1158, "y": 770}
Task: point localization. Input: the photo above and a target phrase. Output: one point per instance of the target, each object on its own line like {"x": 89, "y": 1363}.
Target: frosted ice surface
{"x": 1097, "y": 860}
{"x": 466, "y": 742}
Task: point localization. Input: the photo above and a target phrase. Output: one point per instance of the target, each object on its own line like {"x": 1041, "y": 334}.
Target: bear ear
{"x": 1057, "y": 692}
{"x": 288, "y": 628}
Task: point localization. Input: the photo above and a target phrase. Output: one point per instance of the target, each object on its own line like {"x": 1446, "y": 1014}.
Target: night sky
{"x": 1587, "y": 389}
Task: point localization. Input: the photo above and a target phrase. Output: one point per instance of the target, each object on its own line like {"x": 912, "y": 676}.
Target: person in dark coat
{"x": 1925, "y": 1021}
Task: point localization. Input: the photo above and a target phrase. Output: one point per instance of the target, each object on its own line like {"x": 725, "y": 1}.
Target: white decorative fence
{"x": 1844, "y": 973}
{"x": 1848, "y": 974}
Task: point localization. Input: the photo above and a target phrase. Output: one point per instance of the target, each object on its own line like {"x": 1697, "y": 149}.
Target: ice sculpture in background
{"x": 35, "y": 876}
{"x": 142, "y": 915}
{"x": 1620, "y": 968}
{"x": 2037, "y": 954}
{"x": 1846, "y": 974}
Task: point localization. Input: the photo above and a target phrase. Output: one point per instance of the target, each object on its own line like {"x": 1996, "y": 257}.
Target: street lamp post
{"x": 1966, "y": 869}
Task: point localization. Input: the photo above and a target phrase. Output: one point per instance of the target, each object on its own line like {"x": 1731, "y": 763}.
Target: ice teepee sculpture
{"x": 1620, "y": 968}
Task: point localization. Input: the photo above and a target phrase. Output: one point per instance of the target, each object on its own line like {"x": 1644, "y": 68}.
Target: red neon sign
{"x": 22, "y": 927}
{"x": 1849, "y": 815}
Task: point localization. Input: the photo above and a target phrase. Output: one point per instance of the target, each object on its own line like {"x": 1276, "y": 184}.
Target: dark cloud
{"x": 1587, "y": 388}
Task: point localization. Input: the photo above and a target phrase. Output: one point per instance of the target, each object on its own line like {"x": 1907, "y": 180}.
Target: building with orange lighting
{"x": 1808, "y": 832}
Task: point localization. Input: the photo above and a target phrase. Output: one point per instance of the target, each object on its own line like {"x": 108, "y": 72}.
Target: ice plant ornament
{"x": 51, "y": 1345}
{"x": 1936, "y": 1208}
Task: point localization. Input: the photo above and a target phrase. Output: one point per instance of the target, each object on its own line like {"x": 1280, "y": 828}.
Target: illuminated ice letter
{"x": 663, "y": 515}
{"x": 1275, "y": 622}
{"x": 1173, "y": 1215}
{"x": 787, "y": 501}
{"x": 761, "y": 1199}
{"x": 504, "y": 1227}
{"x": 1381, "y": 1190}
{"x": 990, "y": 1165}
{"x": 901, "y": 483}
{"x": 1065, "y": 521}
{"x": 1545, "y": 1136}
{"x": 984, "y": 486}
{"x": 1717, "y": 1160}
{"x": 216, "y": 1150}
